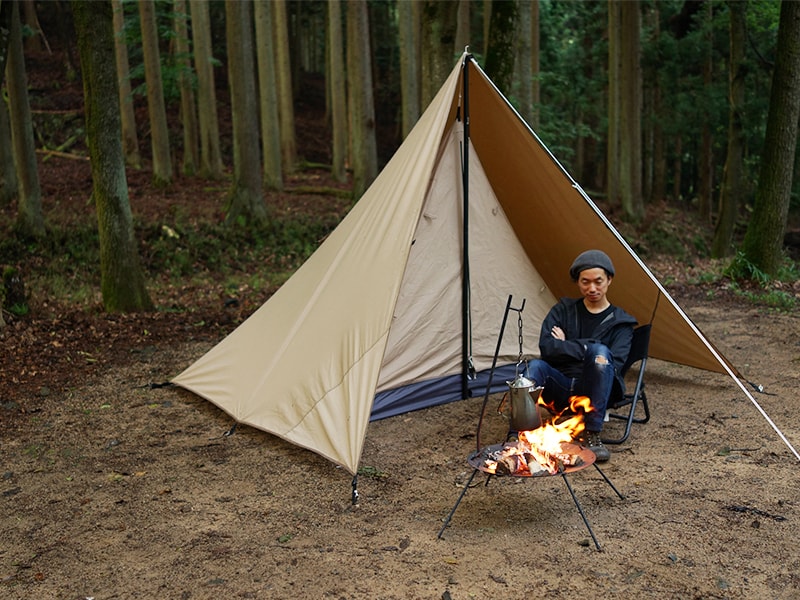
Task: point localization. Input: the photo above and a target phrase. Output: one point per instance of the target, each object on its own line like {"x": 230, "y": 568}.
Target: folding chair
{"x": 619, "y": 400}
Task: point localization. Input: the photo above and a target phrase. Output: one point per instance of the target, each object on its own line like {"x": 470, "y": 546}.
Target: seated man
{"x": 584, "y": 342}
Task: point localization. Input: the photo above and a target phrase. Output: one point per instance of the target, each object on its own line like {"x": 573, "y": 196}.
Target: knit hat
{"x": 590, "y": 260}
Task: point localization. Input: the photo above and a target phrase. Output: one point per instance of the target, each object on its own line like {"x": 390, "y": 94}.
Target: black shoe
{"x": 591, "y": 440}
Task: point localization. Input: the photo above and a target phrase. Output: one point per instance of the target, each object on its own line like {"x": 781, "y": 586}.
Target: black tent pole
{"x": 465, "y": 296}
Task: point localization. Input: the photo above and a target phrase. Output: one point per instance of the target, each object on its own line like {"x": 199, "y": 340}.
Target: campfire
{"x": 548, "y": 449}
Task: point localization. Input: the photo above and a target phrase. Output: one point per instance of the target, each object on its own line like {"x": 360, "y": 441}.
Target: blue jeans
{"x": 595, "y": 382}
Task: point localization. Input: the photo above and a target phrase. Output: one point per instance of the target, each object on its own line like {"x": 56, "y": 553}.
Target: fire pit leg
{"x": 580, "y": 510}
{"x": 460, "y": 497}
{"x": 608, "y": 481}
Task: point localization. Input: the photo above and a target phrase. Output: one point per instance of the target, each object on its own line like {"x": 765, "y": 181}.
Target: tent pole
{"x": 465, "y": 296}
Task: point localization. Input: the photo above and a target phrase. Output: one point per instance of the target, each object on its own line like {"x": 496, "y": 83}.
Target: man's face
{"x": 593, "y": 284}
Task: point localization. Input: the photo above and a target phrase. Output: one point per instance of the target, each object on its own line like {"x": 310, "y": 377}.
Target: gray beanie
{"x": 590, "y": 260}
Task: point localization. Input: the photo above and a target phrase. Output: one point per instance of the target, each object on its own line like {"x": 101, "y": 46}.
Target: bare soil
{"x": 111, "y": 488}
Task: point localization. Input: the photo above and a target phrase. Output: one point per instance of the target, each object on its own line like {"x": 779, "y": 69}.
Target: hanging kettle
{"x": 524, "y": 414}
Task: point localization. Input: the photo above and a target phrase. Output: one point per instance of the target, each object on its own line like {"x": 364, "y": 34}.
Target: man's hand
{"x": 558, "y": 333}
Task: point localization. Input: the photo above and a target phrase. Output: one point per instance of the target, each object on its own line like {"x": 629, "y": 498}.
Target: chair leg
{"x": 630, "y": 418}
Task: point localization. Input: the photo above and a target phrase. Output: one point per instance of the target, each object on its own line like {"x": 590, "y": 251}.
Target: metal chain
{"x": 519, "y": 325}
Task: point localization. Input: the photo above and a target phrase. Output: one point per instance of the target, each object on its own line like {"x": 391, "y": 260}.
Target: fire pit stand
{"x": 478, "y": 458}
{"x": 563, "y": 472}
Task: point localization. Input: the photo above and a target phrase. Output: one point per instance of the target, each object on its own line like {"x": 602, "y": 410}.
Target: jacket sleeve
{"x": 559, "y": 351}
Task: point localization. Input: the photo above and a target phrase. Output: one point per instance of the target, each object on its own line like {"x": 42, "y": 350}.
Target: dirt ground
{"x": 111, "y": 489}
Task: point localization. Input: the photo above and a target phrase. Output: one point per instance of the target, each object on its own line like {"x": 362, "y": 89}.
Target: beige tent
{"x": 391, "y": 310}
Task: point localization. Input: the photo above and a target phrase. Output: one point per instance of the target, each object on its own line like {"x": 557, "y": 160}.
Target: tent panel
{"x": 315, "y": 347}
{"x": 555, "y": 223}
{"x": 425, "y": 340}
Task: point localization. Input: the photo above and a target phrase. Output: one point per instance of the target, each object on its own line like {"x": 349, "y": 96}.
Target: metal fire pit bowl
{"x": 477, "y": 458}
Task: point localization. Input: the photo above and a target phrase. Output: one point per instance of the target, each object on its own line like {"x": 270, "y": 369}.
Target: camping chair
{"x": 620, "y": 400}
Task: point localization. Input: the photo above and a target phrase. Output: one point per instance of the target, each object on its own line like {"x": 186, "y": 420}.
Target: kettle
{"x": 524, "y": 415}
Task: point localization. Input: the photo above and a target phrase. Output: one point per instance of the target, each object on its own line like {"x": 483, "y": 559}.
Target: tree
{"x": 625, "y": 109}
{"x": 8, "y": 173}
{"x": 6, "y": 10}
{"x": 191, "y": 160}
{"x": 30, "y": 221}
{"x": 730, "y": 195}
{"x": 122, "y": 279}
{"x": 439, "y": 21}
{"x": 763, "y": 242}
{"x": 246, "y": 202}
{"x": 159, "y": 132}
{"x": 338, "y": 94}
{"x": 268, "y": 96}
{"x": 362, "y": 107}
{"x": 408, "y": 30}
{"x": 285, "y": 93}
{"x": 210, "y": 153}
{"x": 524, "y": 61}
{"x": 500, "y": 52}
{"x": 130, "y": 140}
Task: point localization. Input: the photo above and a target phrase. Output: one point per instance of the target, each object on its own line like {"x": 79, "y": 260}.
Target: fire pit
{"x": 543, "y": 449}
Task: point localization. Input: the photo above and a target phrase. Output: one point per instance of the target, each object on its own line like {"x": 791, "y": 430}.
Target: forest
{"x": 684, "y": 105}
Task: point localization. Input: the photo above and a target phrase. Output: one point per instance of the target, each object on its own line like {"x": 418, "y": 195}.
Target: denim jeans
{"x": 595, "y": 382}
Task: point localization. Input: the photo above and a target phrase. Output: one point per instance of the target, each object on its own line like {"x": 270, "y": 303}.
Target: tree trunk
{"x": 613, "y": 182}
{"x": 523, "y": 63}
{"x": 730, "y": 195}
{"x": 408, "y": 26}
{"x": 268, "y": 96}
{"x": 9, "y": 187}
{"x": 159, "y": 133}
{"x": 763, "y": 241}
{"x": 630, "y": 113}
{"x": 246, "y": 202}
{"x": 500, "y": 56}
{"x": 30, "y": 221}
{"x": 34, "y": 40}
{"x": 122, "y": 280}
{"x": 362, "y": 107}
{"x": 285, "y": 93}
{"x": 438, "y": 37}
{"x": 130, "y": 140}
{"x": 6, "y": 10}
{"x": 338, "y": 94}
{"x": 191, "y": 160}
{"x": 462, "y": 26}
{"x": 210, "y": 153}
{"x": 705, "y": 185}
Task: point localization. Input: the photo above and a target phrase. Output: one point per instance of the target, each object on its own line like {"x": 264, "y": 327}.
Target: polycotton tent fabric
{"x": 371, "y": 324}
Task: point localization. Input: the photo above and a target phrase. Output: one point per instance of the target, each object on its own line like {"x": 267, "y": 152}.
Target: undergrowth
{"x": 65, "y": 265}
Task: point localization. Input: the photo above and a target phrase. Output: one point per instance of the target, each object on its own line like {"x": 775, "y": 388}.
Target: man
{"x": 584, "y": 342}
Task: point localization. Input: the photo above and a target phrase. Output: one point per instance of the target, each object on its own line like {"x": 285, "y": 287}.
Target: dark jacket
{"x": 615, "y": 331}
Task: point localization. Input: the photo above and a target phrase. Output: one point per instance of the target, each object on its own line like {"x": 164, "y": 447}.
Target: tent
{"x": 400, "y": 308}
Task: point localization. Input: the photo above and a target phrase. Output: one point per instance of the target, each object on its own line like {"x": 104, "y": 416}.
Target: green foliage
{"x": 742, "y": 268}
{"x": 281, "y": 246}
{"x": 767, "y": 291}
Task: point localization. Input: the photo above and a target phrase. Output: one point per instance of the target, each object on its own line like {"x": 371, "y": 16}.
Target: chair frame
{"x": 638, "y": 354}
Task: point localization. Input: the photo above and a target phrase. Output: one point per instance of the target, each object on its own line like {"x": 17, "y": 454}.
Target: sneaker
{"x": 591, "y": 439}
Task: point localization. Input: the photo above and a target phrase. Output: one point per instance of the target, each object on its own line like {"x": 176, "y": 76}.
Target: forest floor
{"x": 111, "y": 488}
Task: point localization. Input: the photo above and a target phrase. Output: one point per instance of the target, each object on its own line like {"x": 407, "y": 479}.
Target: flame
{"x": 545, "y": 443}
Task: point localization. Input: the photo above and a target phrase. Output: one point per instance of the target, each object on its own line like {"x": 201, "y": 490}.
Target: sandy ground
{"x": 114, "y": 490}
